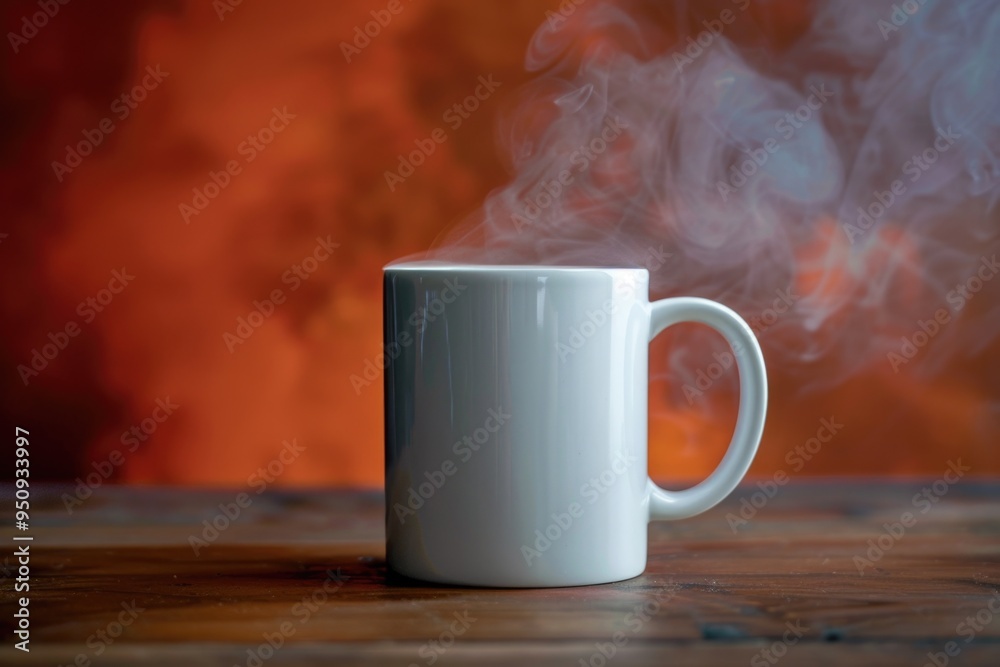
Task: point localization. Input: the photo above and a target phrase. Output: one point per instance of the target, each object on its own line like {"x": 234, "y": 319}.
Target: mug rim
{"x": 435, "y": 265}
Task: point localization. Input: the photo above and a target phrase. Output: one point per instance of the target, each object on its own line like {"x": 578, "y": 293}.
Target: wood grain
{"x": 709, "y": 596}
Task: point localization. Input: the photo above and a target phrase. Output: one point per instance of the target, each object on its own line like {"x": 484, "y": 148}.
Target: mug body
{"x": 515, "y": 423}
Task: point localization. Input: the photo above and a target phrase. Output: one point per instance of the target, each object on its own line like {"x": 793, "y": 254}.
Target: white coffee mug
{"x": 515, "y": 415}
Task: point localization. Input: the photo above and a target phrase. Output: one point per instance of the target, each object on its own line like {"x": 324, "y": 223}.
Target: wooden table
{"x": 306, "y": 569}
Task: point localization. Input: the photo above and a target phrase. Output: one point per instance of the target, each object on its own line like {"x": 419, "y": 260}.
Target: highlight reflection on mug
{"x": 418, "y": 321}
{"x": 464, "y": 450}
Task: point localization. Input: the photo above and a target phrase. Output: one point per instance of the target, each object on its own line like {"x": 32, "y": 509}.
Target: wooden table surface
{"x": 117, "y": 583}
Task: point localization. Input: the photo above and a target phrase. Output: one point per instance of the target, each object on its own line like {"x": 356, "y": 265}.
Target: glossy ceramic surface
{"x": 515, "y": 404}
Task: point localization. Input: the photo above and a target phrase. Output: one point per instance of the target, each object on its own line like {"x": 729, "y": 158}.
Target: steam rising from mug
{"x": 853, "y": 173}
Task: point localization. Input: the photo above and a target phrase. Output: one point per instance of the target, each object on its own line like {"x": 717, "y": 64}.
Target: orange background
{"x": 323, "y": 176}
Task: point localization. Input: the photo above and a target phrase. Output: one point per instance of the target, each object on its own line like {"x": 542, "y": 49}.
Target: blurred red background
{"x": 226, "y": 72}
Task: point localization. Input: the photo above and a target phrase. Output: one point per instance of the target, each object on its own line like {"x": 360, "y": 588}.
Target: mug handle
{"x": 665, "y": 504}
